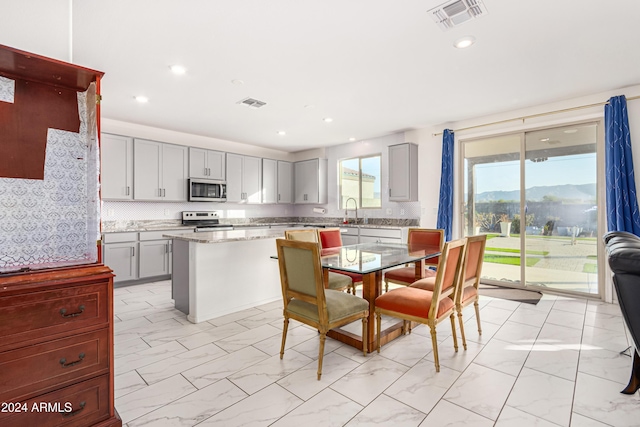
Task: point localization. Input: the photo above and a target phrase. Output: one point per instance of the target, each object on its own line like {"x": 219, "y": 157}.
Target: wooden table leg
{"x": 371, "y": 289}
{"x": 419, "y": 269}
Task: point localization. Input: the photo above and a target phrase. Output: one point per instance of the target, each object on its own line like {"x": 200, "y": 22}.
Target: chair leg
{"x": 464, "y": 339}
{"x": 323, "y": 336}
{"x": 476, "y": 306}
{"x": 378, "y": 328}
{"x": 365, "y": 347}
{"x": 386, "y": 285}
{"x": 452, "y": 318}
{"x": 434, "y": 343}
{"x": 284, "y": 335}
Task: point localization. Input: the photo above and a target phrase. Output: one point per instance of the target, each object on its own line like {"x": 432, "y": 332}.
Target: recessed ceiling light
{"x": 281, "y": 132}
{"x": 544, "y": 139}
{"x": 464, "y": 42}
{"x": 352, "y": 139}
{"x": 328, "y": 119}
{"x": 309, "y": 106}
{"x": 571, "y": 131}
{"x": 237, "y": 82}
{"x": 141, "y": 99}
{"x": 178, "y": 69}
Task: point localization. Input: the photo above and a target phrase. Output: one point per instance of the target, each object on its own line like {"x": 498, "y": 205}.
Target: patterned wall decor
{"x": 7, "y": 89}
{"x": 53, "y": 222}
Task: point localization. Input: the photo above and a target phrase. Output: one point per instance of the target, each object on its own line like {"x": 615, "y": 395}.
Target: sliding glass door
{"x": 534, "y": 195}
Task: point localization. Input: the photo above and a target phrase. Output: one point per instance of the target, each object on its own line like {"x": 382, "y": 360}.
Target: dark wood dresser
{"x": 56, "y": 348}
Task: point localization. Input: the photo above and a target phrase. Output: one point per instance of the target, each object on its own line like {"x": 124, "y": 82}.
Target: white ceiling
{"x": 374, "y": 66}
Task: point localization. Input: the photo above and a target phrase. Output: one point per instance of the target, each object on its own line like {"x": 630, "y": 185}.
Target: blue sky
{"x": 504, "y": 176}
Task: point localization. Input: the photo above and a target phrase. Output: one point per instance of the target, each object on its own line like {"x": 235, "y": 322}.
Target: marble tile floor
{"x": 556, "y": 363}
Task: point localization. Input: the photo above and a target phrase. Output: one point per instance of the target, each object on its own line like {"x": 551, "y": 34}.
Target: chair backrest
{"x": 427, "y": 236}
{"x": 449, "y": 274}
{"x": 302, "y": 235}
{"x": 329, "y": 238}
{"x": 473, "y": 261}
{"x": 301, "y": 274}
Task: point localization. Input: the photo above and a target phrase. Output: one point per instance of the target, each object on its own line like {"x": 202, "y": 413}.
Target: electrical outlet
{"x": 423, "y": 211}
{"x": 166, "y": 212}
{"x": 110, "y": 212}
{"x": 389, "y": 211}
{"x": 401, "y": 211}
{"x": 435, "y": 211}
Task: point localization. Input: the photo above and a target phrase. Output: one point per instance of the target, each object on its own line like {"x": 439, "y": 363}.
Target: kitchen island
{"x": 221, "y": 272}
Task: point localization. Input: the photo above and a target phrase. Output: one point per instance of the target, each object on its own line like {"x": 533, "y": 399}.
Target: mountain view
{"x": 569, "y": 192}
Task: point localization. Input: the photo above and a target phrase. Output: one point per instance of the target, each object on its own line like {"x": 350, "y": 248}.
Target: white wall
{"x": 357, "y": 149}
{"x": 430, "y": 150}
{"x": 37, "y": 26}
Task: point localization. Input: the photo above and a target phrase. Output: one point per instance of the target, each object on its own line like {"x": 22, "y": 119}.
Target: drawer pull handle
{"x": 72, "y": 413}
{"x": 64, "y": 363}
{"x": 63, "y": 312}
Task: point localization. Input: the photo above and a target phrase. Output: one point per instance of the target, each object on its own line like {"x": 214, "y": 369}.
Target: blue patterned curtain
{"x": 622, "y": 202}
{"x": 445, "y": 206}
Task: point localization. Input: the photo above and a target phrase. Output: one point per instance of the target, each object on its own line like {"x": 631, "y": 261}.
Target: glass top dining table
{"x": 369, "y": 260}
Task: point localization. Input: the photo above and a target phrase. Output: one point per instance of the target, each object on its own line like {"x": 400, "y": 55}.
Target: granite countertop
{"x": 162, "y": 225}
{"x": 227, "y": 236}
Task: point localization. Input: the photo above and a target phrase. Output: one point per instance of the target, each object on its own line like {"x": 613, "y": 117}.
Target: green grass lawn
{"x": 590, "y": 268}
{"x": 516, "y": 251}
{"x": 510, "y": 260}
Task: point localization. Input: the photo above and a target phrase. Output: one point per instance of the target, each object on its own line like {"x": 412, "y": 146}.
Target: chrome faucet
{"x": 346, "y": 208}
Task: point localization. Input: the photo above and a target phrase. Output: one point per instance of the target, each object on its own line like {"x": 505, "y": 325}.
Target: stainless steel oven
{"x": 207, "y": 190}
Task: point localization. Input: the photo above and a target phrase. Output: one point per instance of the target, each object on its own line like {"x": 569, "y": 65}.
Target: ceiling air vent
{"x": 253, "y": 103}
{"x": 454, "y": 13}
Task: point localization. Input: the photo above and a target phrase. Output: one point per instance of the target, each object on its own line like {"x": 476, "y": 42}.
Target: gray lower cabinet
{"x": 122, "y": 258}
{"x": 155, "y": 258}
{"x": 137, "y": 256}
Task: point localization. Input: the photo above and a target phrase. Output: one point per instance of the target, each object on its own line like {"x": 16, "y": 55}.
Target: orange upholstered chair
{"x": 417, "y": 305}
{"x": 468, "y": 289}
{"x": 331, "y": 238}
{"x": 407, "y": 275}
{"x": 338, "y": 282}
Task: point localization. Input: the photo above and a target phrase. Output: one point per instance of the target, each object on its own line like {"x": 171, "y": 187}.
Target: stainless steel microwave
{"x": 207, "y": 190}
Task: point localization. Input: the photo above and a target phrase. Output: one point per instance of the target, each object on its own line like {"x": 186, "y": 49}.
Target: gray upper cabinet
{"x": 310, "y": 178}
{"x": 244, "y": 179}
{"x": 116, "y": 174}
{"x": 269, "y": 181}
{"x": 403, "y": 172}
{"x": 207, "y": 164}
{"x": 285, "y": 182}
{"x": 160, "y": 171}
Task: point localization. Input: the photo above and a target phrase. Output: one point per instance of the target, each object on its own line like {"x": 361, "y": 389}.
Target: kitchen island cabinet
{"x": 221, "y": 272}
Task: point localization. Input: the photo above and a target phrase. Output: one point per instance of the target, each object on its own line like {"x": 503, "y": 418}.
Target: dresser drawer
{"x": 46, "y": 314}
{"x": 34, "y": 369}
{"x": 82, "y": 404}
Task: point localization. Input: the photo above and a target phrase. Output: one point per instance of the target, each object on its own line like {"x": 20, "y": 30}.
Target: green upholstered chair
{"x": 337, "y": 282}
{"x": 307, "y": 301}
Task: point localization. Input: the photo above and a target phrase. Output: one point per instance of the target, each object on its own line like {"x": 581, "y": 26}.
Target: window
{"x": 360, "y": 179}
